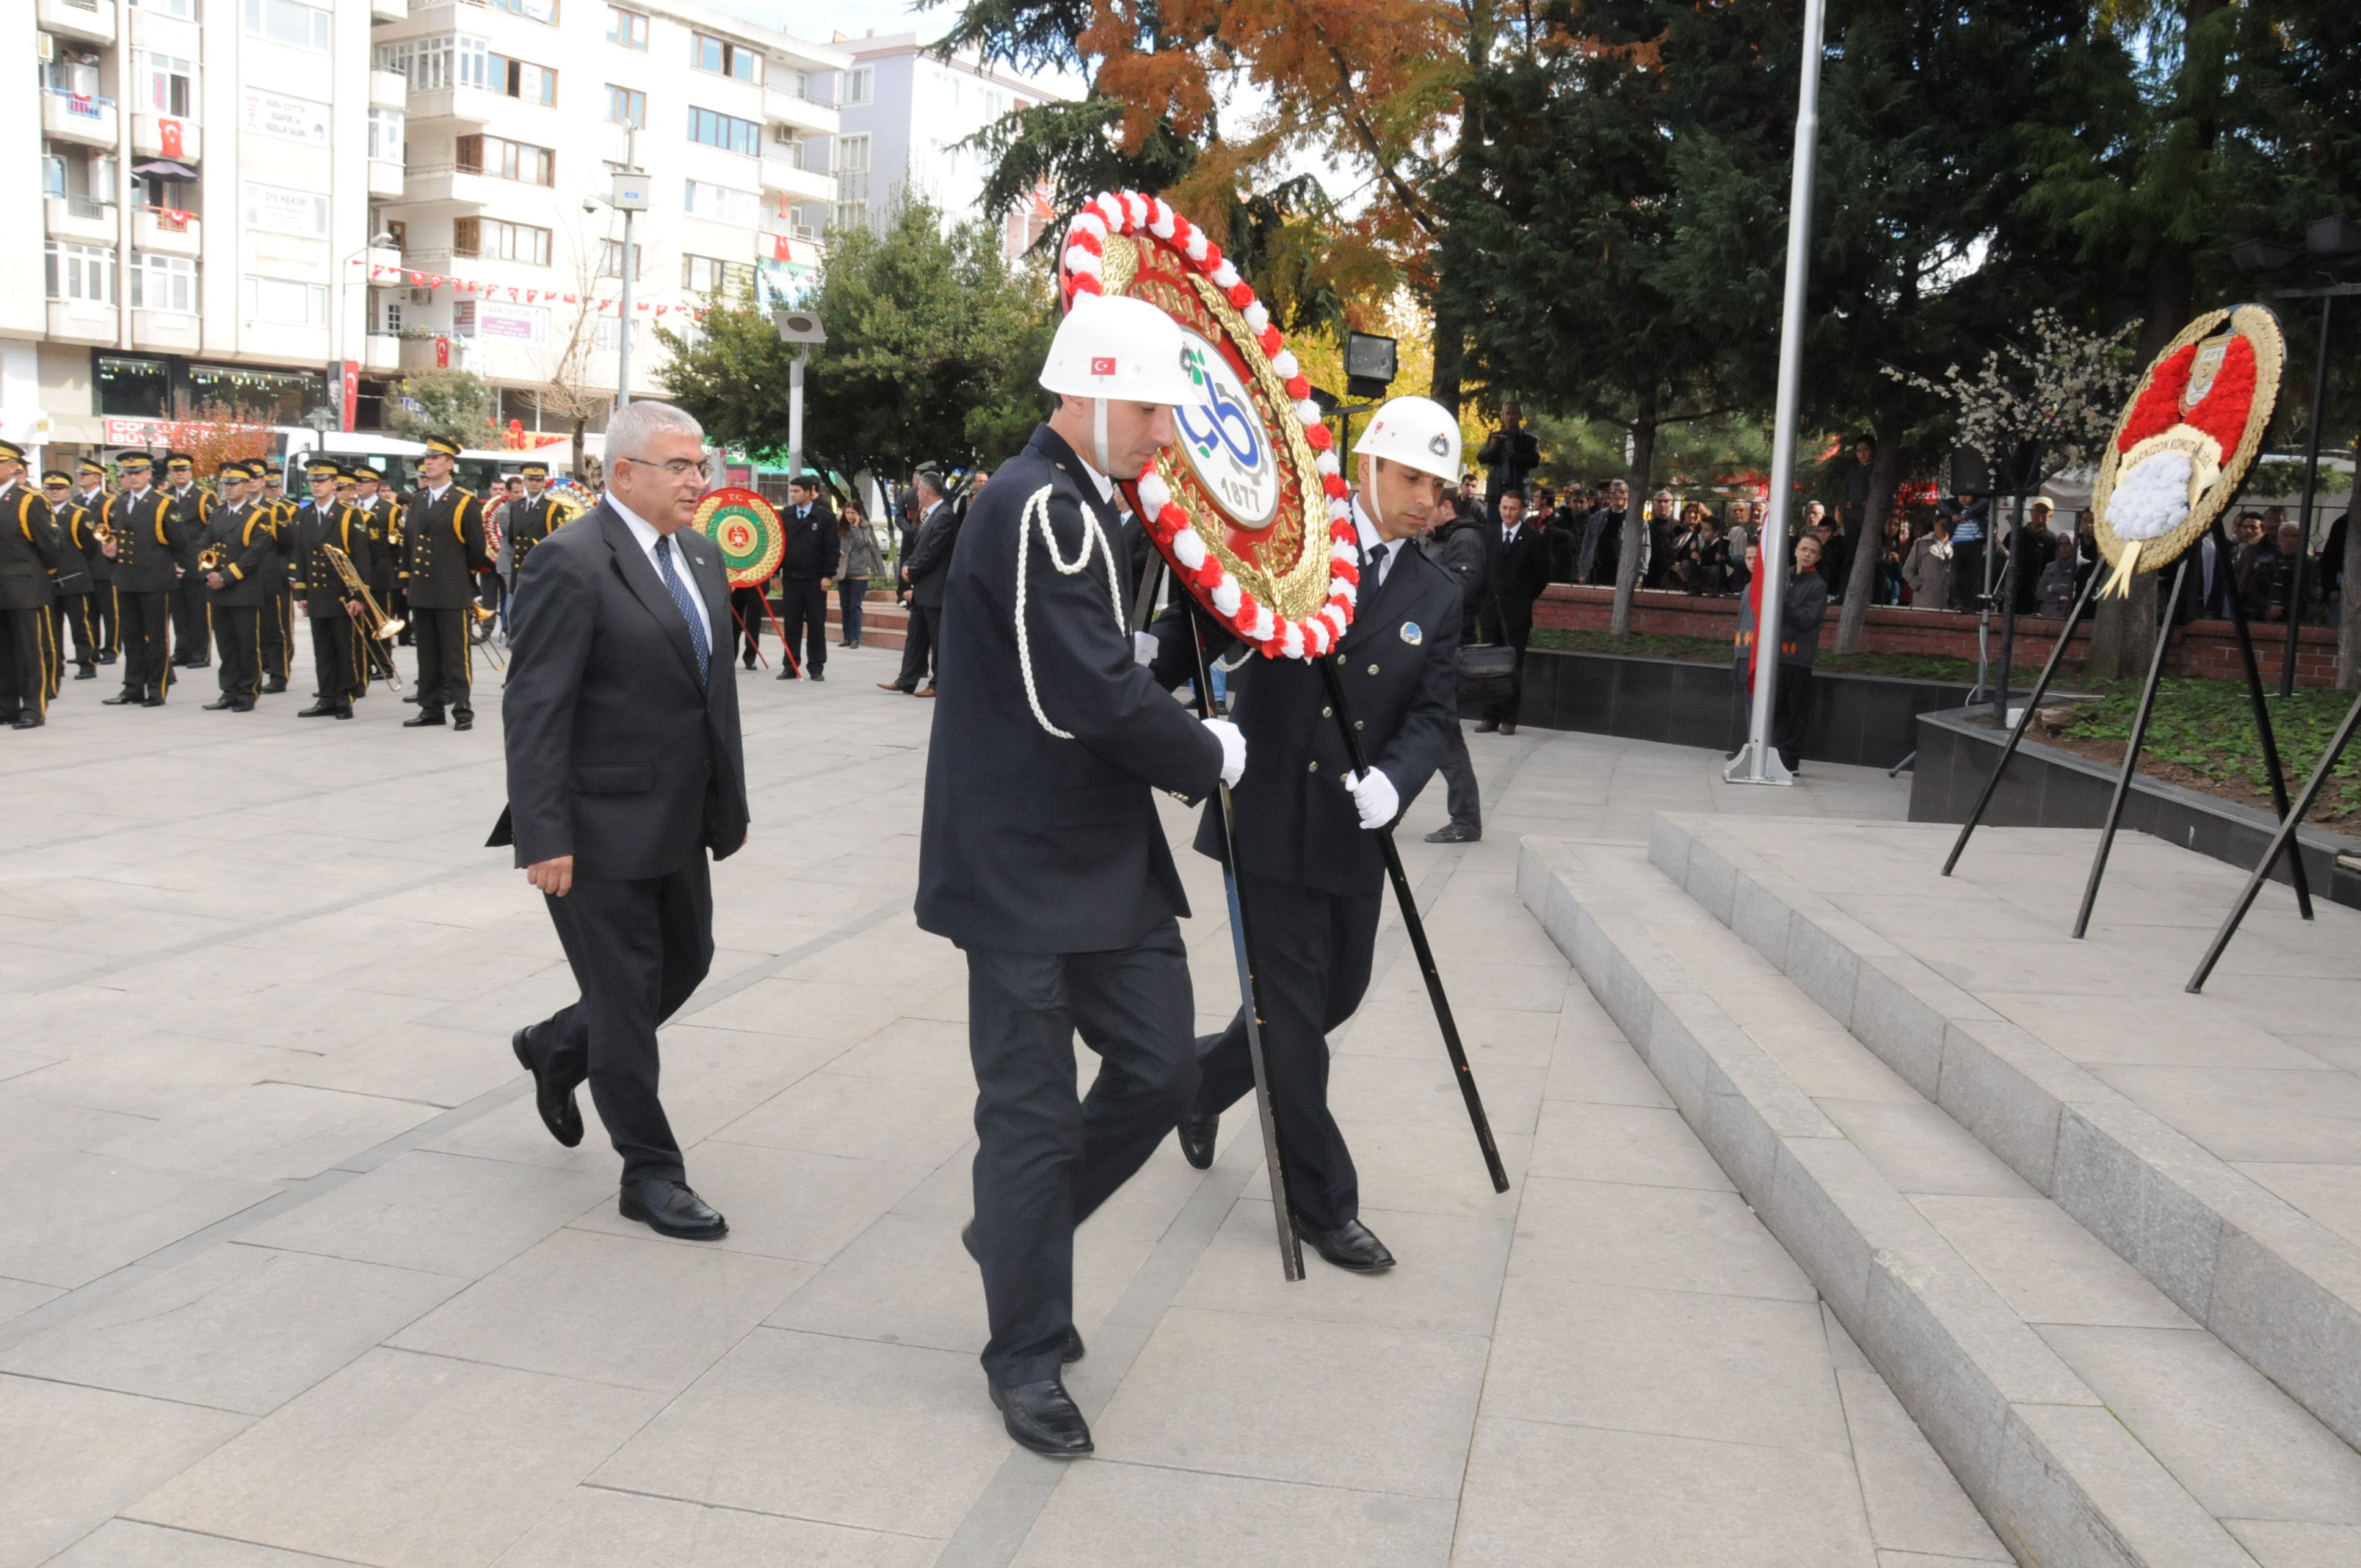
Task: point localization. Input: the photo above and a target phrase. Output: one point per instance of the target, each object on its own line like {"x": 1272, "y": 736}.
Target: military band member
{"x": 145, "y": 548}
{"x": 192, "y": 638}
{"x": 531, "y": 518}
{"x": 359, "y": 489}
{"x": 320, "y": 592}
{"x": 77, "y": 584}
{"x": 443, "y": 549}
{"x": 243, "y": 543}
{"x": 89, "y": 498}
{"x": 28, "y": 553}
{"x": 278, "y": 618}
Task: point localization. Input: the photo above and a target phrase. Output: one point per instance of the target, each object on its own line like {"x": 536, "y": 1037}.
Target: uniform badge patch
{"x": 1411, "y": 634}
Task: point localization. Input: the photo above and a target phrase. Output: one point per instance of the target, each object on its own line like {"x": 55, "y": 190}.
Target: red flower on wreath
{"x": 2158, "y": 408}
{"x": 2222, "y": 413}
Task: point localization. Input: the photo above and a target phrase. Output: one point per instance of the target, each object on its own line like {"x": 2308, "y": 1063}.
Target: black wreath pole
{"x": 2024, "y": 720}
{"x": 2263, "y": 730}
{"x": 2131, "y": 751}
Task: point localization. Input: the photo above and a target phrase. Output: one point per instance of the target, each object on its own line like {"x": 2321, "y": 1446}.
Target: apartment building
{"x": 906, "y": 112}
{"x": 266, "y": 210}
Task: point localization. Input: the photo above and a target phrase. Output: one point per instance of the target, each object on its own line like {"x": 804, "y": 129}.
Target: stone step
{"x": 2026, "y": 1074}
{"x": 882, "y": 625}
{"x": 2090, "y": 1420}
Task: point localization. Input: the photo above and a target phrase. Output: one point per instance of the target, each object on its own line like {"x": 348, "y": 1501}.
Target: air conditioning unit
{"x": 419, "y": 297}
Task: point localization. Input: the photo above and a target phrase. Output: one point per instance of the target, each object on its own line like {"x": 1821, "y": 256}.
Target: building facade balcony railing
{"x": 165, "y": 232}
{"x": 82, "y": 117}
{"x": 88, "y": 220}
{"x": 92, "y": 21}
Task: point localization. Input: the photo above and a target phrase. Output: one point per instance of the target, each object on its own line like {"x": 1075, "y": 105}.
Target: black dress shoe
{"x": 462, "y": 721}
{"x": 1074, "y": 1350}
{"x": 247, "y": 706}
{"x": 271, "y": 687}
{"x": 670, "y": 1209}
{"x": 120, "y": 700}
{"x": 1351, "y": 1245}
{"x": 1041, "y": 1417}
{"x": 346, "y": 711}
{"x": 86, "y": 673}
{"x": 1197, "y": 1134}
{"x": 1455, "y": 833}
{"x": 153, "y": 702}
{"x": 788, "y": 673}
{"x": 220, "y": 705}
{"x": 426, "y": 715}
{"x": 819, "y": 675}
{"x": 106, "y": 658}
{"x": 558, "y": 1112}
{"x": 322, "y": 709}
{"x": 26, "y": 721}
{"x": 411, "y": 699}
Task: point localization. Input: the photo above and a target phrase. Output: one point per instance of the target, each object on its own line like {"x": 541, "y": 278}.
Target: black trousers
{"x": 277, "y": 634}
{"x": 110, "y": 630}
{"x": 1312, "y": 966}
{"x": 637, "y": 949}
{"x": 78, "y": 622}
{"x": 25, "y": 651}
{"x": 335, "y": 659}
{"x": 1045, "y": 1160}
{"x": 1791, "y": 712}
{"x": 443, "y": 667}
{"x": 192, "y": 640}
{"x": 1967, "y": 573}
{"x": 1515, "y": 630}
{"x": 748, "y": 611}
{"x": 147, "y": 631}
{"x": 1460, "y": 793}
{"x": 849, "y": 592}
{"x": 237, "y": 628}
{"x": 803, "y": 621}
{"x": 919, "y": 648}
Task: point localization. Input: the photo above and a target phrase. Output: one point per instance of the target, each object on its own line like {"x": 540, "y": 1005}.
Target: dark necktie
{"x": 679, "y": 591}
{"x": 1376, "y": 567}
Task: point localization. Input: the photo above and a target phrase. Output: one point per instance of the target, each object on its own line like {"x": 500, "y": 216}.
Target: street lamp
{"x": 382, "y": 240}
{"x": 630, "y": 194}
{"x": 801, "y": 331}
{"x": 2327, "y": 240}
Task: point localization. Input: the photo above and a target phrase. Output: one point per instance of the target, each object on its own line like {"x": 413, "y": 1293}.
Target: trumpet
{"x": 101, "y": 532}
{"x": 377, "y": 629}
{"x": 209, "y": 559}
{"x": 481, "y": 629}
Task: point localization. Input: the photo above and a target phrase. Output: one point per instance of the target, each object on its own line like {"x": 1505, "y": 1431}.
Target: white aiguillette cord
{"x": 1037, "y": 513}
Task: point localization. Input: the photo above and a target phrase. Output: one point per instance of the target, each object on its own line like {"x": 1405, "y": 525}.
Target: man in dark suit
{"x": 806, "y": 572}
{"x": 1041, "y": 855}
{"x": 1509, "y": 456}
{"x": 77, "y": 619}
{"x": 927, "y": 569}
{"x": 191, "y": 635}
{"x": 1311, "y": 873}
{"x": 243, "y": 544}
{"x": 145, "y": 551}
{"x": 624, "y": 769}
{"x": 323, "y": 597}
{"x": 443, "y": 549}
{"x": 28, "y": 555}
{"x": 1520, "y": 571}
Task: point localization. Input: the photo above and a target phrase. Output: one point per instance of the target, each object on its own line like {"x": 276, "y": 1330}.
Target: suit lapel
{"x": 639, "y": 574}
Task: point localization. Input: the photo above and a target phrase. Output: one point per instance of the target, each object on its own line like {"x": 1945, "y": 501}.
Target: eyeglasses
{"x": 679, "y": 467}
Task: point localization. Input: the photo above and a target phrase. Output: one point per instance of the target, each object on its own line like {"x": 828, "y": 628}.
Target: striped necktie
{"x": 679, "y": 591}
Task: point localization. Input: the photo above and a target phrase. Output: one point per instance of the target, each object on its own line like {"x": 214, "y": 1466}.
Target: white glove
{"x": 1144, "y": 647}
{"x": 1374, "y": 794}
{"x": 1234, "y": 749}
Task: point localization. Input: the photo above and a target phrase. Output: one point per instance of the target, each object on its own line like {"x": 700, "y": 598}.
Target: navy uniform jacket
{"x": 248, "y": 544}
{"x": 1033, "y": 842}
{"x": 195, "y": 506}
{"x": 443, "y": 549}
{"x": 29, "y": 548}
{"x": 810, "y": 543}
{"x": 527, "y": 522}
{"x": 615, "y": 754}
{"x": 148, "y": 540}
{"x": 310, "y": 575}
{"x": 1296, "y": 820}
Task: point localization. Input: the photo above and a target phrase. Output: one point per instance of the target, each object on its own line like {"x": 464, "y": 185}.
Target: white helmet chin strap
{"x": 1376, "y": 508}
{"x": 1099, "y": 436}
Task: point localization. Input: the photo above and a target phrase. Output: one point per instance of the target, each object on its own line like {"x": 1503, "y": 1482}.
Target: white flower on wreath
{"x": 2151, "y": 497}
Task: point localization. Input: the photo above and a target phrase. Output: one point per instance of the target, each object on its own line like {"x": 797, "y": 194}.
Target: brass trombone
{"x": 481, "y": 632}
{"x": 377, "y": 629}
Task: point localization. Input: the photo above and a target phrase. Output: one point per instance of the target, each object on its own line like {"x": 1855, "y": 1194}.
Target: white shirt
{"x": 435, "y": 495}
{"x": 647, "y": 536}
{"x": 1371, "y": 538}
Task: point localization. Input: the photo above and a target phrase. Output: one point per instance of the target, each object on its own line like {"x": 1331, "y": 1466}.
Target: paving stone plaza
{"x": 292, "y": 1274}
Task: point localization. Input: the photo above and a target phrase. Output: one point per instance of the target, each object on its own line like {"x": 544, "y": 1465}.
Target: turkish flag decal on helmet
{"x": 1103, "y": 367}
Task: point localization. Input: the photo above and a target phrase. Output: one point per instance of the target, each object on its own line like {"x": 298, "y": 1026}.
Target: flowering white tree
{"x": 2060, "y": 387}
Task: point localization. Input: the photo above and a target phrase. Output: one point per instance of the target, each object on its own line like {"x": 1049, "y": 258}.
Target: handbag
{"x": 1481, "y": 663}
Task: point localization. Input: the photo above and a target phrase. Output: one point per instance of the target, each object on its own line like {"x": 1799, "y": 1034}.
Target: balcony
{"x": 158, "y": 230}
{"x": 90, "y": 220}
{"x": 389, "y": 89}
{"x": 78, "y": 118}
{"x": 385, "y": 178}
{"x": 381, "y": 351}
{"x": 445, "y": 184}
{"x": 388, "y": 10}
{"x": 82, "y": 321}
{"x": 784, "y": 175}
{"x": 457, "y": 106}
{"x": 163, "y": 329}
{"x": 422, "y": 354}
{"x": 164, "y": 135}
{"x": 90, "y": 20}
{"x": 805, "y": 113}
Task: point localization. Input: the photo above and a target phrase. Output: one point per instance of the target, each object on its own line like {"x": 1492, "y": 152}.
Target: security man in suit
{"x": 276, "y": 621}
{"x": 443, "y": 549}
{"x": 1518, "y": 555}
{"x": 90, "y": 499}
{"x": 1041, "y": 855}
{"x": 28, "y": 553}
{"x": 146, "y": 549}
{"x": 192, "y": 638}
{"x": 1311, "y": 873}
{"x": 927, "y": 568}
{"x": 76, "y": 584}
{"x": 322, "y": 595}
{"x": 243, "y": 543}
{"x": 806, "y": 572}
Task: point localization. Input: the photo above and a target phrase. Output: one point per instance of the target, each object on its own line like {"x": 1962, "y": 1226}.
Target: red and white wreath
{"x": 1081, "y": 272}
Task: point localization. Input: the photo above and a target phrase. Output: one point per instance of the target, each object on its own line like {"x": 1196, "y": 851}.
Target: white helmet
{"x": 1417, "y": 432}
{"x": 1114, "y": 347}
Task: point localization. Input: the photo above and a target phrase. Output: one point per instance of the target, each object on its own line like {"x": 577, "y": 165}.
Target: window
{"x": 851, "y": 180}
{"x": 496, "y": 239}
{"x": 859, "y": 87}
{"x": 133, "y": 388}
{"x": 434, "y": 65}
{"x": 610, "y": 259}
{"x": 288, "y": 22}
{"x": 722, "y": 205}
{"x": 84, "y": 272}
{"x": 703, "y": 274}
{"x": 284, "y": 211}
{"x": 283, "y": 302}
{"x": 186, "y": 10}
{"x": 531, "y": 10}
{"x": 629, "y": 29}
{"x": 725, "y": 131}
{"x": 608, "y": 338}
{"x": 385, "y": 128}
{"x": 626, "y": 106}
{"x": 167, "y": 85}
{"x": 163, "y": 283}
{"x": 508, "y": 159}
{"x": 724, "y": 58}
{"x": 520, "y": 78}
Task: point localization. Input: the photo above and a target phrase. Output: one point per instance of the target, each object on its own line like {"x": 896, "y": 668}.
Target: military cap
{"x": 344, "y": 475}
{"x": 56, "y": 477}
{"x": 230, "y": 468}
{"x": 135, "y": 462}
{"x": 446, "y": 444}
{"x": 535, "y": 471}
{"x": 93, "y": 465}
{"x": 12, "y": 451}
{"x": 178, "y": 460}
{"x": 321, "y": 468}
{"x": 365, "y": 471}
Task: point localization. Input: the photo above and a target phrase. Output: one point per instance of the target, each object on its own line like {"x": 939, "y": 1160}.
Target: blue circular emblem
{"x": 1411, "y": 634}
